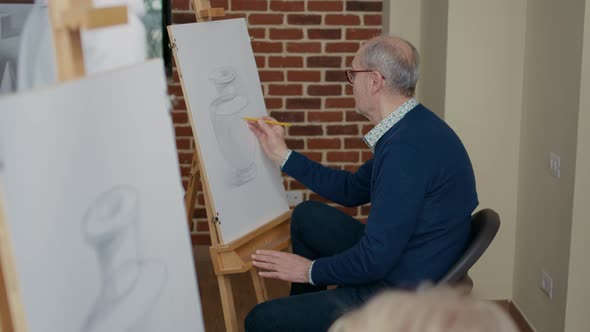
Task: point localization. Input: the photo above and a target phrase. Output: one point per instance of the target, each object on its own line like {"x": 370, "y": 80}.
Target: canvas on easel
{"x": 243, "y": 190}
{"x": 92, "y": 230}
{"x": 222, "y": 86}
{"x": 93, "y": 206}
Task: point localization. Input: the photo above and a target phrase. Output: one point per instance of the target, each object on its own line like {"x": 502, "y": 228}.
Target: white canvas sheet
{"x": 94, "y": 206}
{"x": 221, "y": 86}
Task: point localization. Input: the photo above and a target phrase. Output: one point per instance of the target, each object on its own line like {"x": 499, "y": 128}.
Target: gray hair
{"x": 434, "y": 310}
{"x": 396, "y": 59}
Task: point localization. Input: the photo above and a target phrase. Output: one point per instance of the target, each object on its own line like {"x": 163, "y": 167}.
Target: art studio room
{"x": 294, "y": 165}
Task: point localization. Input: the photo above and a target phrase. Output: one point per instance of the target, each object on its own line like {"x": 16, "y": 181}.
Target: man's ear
{"x": 377, "y": 82}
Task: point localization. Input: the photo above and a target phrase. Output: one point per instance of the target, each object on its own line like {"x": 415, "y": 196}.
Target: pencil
{"x": 267, "y": 121}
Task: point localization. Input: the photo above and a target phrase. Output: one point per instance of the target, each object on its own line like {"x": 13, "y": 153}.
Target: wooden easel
{"x": 12, "y": 315}
{"x": 233, "y": 257}
{"x": 67, "y": 17}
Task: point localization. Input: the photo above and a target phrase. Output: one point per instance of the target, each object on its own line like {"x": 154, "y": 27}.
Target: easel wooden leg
{"x": 227, "y": 302}
{"x": 259, "y": 286}
{"x": 5, "y": 317}
{"x": 191, "y": 189}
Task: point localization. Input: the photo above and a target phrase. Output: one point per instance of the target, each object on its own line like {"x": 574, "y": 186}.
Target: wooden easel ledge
{"x": 94, "y": 18}
{"x": 203, "y": 10}
{"x": 205, "y": 14}
{"x": 68, "y": 18}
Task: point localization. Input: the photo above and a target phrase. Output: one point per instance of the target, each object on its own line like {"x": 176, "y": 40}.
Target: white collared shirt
{"x": 373, "y": 136}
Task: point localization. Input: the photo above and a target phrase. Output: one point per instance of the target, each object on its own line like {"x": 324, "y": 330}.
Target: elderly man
{"x": 420, "y": 184}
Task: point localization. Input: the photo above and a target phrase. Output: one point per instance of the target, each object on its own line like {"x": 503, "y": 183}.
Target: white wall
{"x": 402, "y": 18}
{"x": 578, "y": 292}
{"x": 550, "y": 114}
{"x": 483, "y": 104}
{"x": 433, "y": 47}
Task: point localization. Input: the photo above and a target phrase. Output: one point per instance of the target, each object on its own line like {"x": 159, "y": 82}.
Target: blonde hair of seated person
{"x": 431, "y": 310}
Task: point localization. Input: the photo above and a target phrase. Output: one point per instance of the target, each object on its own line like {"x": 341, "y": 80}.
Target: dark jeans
{"x": 317, "y": 230}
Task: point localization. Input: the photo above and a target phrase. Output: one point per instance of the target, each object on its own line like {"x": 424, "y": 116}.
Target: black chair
{"x": 484, "y": 226}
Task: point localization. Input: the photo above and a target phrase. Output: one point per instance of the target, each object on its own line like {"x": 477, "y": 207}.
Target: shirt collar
{"x": 373, "y": 136}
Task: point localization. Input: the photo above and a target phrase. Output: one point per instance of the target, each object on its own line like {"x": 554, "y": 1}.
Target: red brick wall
{"x": 301, "y": 49}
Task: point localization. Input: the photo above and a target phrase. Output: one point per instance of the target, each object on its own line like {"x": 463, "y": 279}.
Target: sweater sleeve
{"x": 342, "y": 187}
{"x": 398, "y": 193}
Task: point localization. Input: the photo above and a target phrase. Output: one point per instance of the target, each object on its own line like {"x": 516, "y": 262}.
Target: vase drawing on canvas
{"x": 237, "y": 144}
{"x": 130, "y": 283}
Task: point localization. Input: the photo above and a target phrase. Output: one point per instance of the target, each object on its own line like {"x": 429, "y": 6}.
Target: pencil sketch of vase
{"x": 237, "y": 144}
{"x": 130, "y": 284}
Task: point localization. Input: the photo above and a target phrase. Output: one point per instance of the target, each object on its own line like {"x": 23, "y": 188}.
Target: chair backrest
{"x": 484, "y": 226}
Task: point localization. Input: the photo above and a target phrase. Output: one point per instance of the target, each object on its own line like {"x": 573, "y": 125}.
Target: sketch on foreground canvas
{"x": 94, "y": 205}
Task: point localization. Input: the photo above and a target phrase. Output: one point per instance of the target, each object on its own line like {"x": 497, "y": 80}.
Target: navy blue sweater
{"x": 421, "y": 186}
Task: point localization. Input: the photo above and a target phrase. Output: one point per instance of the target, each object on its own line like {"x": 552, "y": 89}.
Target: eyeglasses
{"x": 350, "y": 74}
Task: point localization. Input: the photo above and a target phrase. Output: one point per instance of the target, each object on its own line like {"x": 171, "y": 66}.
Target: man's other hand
{"x": 281, "y": 265}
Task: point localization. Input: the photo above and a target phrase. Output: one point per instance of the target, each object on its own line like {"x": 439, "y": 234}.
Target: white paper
{"x": 94, "y": 205}
{"x": 221, "y": 84}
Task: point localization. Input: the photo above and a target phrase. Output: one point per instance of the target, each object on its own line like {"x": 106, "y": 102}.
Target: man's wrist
{"x": 309, "y": 279}
{"x": 285, "y": 158}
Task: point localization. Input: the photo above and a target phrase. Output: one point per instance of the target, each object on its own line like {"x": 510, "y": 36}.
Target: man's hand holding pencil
{"x": 271, "y": 136}
{"x": 285, "y": 124}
